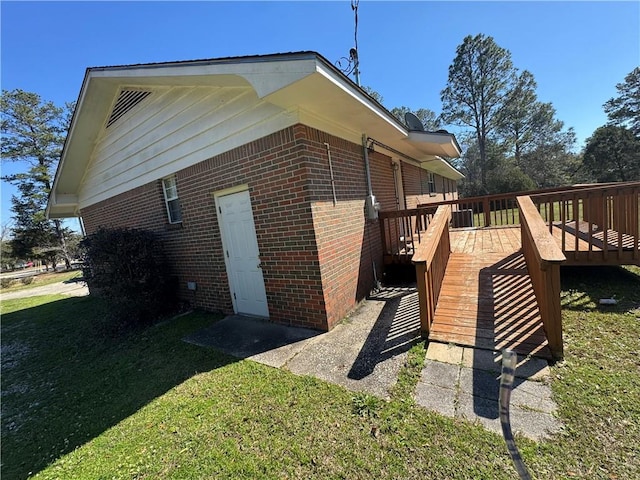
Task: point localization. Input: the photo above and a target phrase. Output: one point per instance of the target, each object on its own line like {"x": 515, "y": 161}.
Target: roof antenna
{"x": 352, "y": 64}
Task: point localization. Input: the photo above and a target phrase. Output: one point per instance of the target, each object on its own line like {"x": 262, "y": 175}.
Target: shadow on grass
{"x": 64, "y": 384}
{"x": 583, "y": 287}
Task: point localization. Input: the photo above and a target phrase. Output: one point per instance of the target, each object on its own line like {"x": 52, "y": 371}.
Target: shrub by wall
{"x": 127, "y": 267}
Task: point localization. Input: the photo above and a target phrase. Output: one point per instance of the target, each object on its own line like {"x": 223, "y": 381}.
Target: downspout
{"x": 333, "y": 182}
{"x": 366, "y": 163}
{"x": 81, "y": 223}
{"x": 394, "y": 168}
{"x": 370, "y": 190}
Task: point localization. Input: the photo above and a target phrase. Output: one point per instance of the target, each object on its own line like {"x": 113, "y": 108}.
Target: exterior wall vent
{"x": 126, "y": 101}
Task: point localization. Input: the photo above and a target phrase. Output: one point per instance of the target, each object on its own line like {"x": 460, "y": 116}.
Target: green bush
{"x": 6, "y": 282}
{"x": 26, "y": 280}
{"x": 128, "y": 268}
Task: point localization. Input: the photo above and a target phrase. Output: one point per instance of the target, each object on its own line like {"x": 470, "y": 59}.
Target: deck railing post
{"x": 421, "y": 280}
{"x": 383, "y": 237}
{"x": 487, "y": 211}
{"x": 552, "y": 318}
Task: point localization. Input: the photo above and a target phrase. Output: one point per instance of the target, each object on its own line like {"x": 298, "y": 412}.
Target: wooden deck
{"x": 499, "y": 287}
{"x": 487, "y": 298}
{"x": 583, "y": 246}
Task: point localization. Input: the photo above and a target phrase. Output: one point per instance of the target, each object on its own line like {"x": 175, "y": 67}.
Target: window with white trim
{"x": 428, "y": 183}
{"x": 432, "y": 183}
{"x": 170, "y": 189}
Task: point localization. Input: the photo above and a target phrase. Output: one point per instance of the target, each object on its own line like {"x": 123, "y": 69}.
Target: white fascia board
{"x": 72, "y": 127}
{"x": 99, "y": 83}
{"x": 338, "y": 81}
{"x": 62, "y": 212}
{"x": 264, "y": 76}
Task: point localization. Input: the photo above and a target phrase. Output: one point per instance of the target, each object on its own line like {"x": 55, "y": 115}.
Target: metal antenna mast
{"x": 352, "y": 64}
{"x": 354, "y": 51}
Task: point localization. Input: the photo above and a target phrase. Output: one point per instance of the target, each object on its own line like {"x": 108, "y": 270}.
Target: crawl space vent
{"x": 126, "y": 101}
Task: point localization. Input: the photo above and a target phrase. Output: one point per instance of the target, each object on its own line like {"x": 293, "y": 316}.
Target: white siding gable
{"x": 174, "y": 128}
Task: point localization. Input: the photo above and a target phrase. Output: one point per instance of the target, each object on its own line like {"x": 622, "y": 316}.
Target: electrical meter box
{"x": 372, "y": 207}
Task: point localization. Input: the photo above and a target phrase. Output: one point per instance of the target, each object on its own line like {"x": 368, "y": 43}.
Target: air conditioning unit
{"x": 462, "y": 218}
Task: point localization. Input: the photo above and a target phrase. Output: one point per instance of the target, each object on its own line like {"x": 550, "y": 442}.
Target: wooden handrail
{"x": 401, "y": 230}
{"x": 430, "y": 260}
{"x": 500, "y": 209}
{"x": 543, "y": 257}
{"x": 596, "y": 225}
{"x": 583, "y": 217}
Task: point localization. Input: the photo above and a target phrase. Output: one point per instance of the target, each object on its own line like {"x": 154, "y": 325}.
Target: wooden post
{"x": 486, "y": 208}
{"x": 552, "y": 313}
{"x": 383, "y": 236}
{"x": 421, "y": 278}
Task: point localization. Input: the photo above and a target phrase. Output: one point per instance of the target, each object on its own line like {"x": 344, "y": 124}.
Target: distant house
{"x": 258, "y": 172}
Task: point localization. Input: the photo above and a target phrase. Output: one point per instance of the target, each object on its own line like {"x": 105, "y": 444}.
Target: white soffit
{"x": 434, "y": 143}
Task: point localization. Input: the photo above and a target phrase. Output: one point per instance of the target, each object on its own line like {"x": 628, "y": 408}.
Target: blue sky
{"x": 577, "y": 51}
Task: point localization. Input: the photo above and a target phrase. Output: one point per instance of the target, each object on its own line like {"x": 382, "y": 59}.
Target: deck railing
{"x": 589, "y": 216}
{"x": 483, "y": 211}
{"x": 495, "y": 210}
{"x": 597, "y": 225}
{"x": 402, "y": 230}
{"x": 543, "y": 257}
{"x": 430, "y": 259}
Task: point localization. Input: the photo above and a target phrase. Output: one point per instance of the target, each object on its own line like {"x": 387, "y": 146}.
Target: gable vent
{"x": 126, "y": 101}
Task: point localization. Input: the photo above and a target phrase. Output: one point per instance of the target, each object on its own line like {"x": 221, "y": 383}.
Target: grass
{"x": 511, "y": 216}
{"x": 41, "y": 280}
{"x": 76, "y": 404}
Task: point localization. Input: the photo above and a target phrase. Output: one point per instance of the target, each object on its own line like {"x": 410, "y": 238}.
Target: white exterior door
{"x": 241, "y": 254}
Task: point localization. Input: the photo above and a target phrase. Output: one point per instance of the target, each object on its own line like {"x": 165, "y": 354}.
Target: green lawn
{"x": 76, "y": 404}
{"x": 511, "y": 216}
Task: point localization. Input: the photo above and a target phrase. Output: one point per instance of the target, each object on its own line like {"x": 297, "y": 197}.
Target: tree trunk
{"x": 63, "y": 245}
{"x": 59, "y": 233}
{"x": 483, "y": 160}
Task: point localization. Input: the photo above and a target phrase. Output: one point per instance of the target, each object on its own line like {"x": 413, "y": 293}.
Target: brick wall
{"x": 348, "y": 243}
{"x": 313, "y": 276}
{"x": 277, "y": 181}
{"x": 416, "y": 190}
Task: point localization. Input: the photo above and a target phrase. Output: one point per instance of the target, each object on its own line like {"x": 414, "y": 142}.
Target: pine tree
{"x": 33, "y": 132}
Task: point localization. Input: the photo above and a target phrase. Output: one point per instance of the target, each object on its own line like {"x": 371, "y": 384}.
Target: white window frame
{"x": 431, "y": 182}
{"x": 168, "y": 184}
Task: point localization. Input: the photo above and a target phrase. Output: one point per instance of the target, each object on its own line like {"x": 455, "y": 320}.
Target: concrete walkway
{"x": 367, "y": 350}
{"x": 464, "y": 382}
{"x": 70, "y": 288}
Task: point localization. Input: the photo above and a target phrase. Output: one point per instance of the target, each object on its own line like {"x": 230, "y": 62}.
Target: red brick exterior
{"x": 416, "y": 191}
{"x": 348, "y": 244}
{"x": 318, "y": 258}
